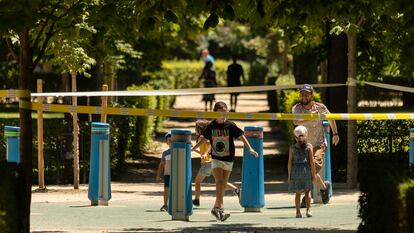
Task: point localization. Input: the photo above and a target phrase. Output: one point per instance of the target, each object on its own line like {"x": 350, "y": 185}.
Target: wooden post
{"x": 75, "y": 135}
{"x": 40, "y": 159}
{"x": 104, "y": 103}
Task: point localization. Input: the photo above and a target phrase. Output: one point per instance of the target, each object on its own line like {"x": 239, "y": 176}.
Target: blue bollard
{"x": 252, "y": 192}
{"x": 328, "y": 171}
{"x": 12, "y": 135}
{"x": 411, "y": 148}
{"x": 180, "y": 205}
{"x": 99, "y": 191}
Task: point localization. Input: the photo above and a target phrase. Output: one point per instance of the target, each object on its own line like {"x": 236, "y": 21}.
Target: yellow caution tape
{"x": 14, "y": 93}
{"x": 212, "y": 115}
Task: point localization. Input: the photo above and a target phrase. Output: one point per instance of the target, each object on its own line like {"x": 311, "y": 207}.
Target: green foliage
{"x": 143, "y": 125}
{"x": 389, "y": 136}
{"x": 185, "y": 74}
{"x": 407, "y": 206}
{"x": 379, "y": 177}
{"x": 11, "y": 186}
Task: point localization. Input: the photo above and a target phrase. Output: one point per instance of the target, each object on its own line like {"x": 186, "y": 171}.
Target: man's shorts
{"x": 318, "y": 156}
{"x": 228, "y": 166}
{"x": 205, "y": 170}
{"x": 167, "y": 181}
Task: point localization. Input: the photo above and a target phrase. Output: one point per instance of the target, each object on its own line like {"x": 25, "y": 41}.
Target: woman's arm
{"x": 253, "y": 152}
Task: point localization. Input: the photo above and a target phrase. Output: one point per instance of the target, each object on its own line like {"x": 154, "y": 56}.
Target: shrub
{"x": 11, "y": 196}
{"x": 379, "y": 176}
{"x": 143, "y": 125}
{"x": 407, "y": 206}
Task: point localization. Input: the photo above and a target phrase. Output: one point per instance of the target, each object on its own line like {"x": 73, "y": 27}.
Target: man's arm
{"x": 335, "y": 136}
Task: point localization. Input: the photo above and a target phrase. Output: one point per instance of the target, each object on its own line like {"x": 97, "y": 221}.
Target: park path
{"x": 274, "y": 142}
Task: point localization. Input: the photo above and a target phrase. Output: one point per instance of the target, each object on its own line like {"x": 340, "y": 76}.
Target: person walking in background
{"x": 234, "y": 72}
{"x": 164, "y": 167}
{"x": 301, "y": 169}
{"x": 221, "y": 134}
{"x": 208, "y": 77}
{"x": 207, "y": 57}
{"x": 205, "y": 168}
{"x": 316, "y": 133}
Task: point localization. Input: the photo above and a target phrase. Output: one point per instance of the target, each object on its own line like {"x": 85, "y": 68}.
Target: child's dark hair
{"x": 220, "y": 105}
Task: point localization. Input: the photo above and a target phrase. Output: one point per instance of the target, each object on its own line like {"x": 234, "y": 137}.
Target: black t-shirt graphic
{"x": 221, "y": 138}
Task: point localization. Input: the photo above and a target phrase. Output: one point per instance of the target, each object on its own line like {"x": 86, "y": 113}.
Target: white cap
{"x": 300, "y": 130}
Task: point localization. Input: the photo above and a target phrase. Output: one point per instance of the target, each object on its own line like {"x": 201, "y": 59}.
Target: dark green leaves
{"x": 211, "y": 21}
{"x": 170, "y": 16}
{"x": 228, "y": 13}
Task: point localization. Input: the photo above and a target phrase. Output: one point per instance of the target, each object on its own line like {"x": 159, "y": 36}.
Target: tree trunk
{"x": 75, "y": 136}
{"x": 26, "y": 133}
{"x": 352, "y": 167}
{"x": 336, "y": 99}
{"x": 305, "y": 67}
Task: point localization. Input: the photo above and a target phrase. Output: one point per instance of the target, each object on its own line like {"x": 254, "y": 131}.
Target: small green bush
{"x": 407, "y": 206}
{"x": 379, "y": 177}
{"x": 143, "y": 125}
{"x": 12, "y": 190}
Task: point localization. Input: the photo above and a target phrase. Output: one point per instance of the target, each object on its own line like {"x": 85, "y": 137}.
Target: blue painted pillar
{"x": 252, "y": 192}
{"x": 328, "y": 170}
{"x": 99, "y": 191}
{"x": 412, "y": 148}
{"x": 12, "y": 135}
{"x": 180, "y": 206}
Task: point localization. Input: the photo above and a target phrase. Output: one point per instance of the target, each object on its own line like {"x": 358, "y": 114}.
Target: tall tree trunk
{"x": 26, "y": 134}
{"x": 305, "y": 67}
{"x": 75, "y": 135}
{"x": 336, "y": 97}
{"x": 352, "y": 167}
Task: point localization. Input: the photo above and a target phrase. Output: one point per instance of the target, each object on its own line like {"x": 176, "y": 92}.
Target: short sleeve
{"x": 236, "y": 131}
{"x": 322, "y": 108}
{"x": 294, "y": 109}
{"x": 207, "y": 132}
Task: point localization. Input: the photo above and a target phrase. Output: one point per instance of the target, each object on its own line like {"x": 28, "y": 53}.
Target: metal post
{"x": 99, "y": 191}
{"x": 180, "y": 206}
{"x": 12, "y": 135}
{"x": 328, "y": 170}
{"x": 252, "y": 192}
{"x": 412, "y": 148}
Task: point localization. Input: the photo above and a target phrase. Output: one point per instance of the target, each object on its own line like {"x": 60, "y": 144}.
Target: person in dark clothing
{"x": 209, "y": 80}
{"x": 234, "y": 72}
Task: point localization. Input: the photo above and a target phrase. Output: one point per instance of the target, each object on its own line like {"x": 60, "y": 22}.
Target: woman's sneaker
{"x": 216, "y": 213}
{"x": 224, "y": 216}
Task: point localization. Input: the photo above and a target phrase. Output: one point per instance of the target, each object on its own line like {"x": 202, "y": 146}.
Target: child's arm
{"x": 289, "y": 164}
{"x": 253, "y": 152}
{"x": 206, "y": 152}
{"x": 159, "y": 171}
{"x": 312, "y": 163}
{"x": 202, "y": 140}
